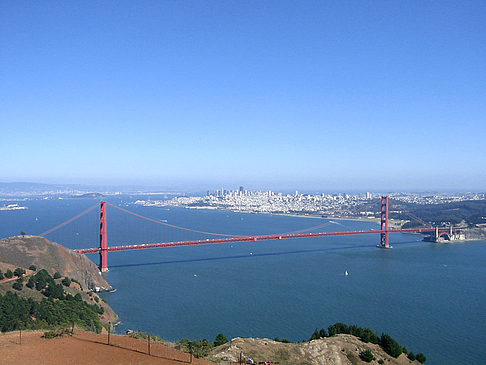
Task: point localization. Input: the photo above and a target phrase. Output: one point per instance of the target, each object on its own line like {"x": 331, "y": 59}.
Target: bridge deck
{"x": 254, "y": 238}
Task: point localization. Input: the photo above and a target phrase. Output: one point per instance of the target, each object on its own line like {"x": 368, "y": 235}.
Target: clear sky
{"x": 324, "y": 95}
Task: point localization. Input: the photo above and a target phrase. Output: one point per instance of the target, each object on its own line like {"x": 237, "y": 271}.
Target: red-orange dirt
{"x": 87, "y": 348}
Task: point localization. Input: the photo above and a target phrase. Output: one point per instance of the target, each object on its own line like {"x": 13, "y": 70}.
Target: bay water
{"x": 429, "y": 297}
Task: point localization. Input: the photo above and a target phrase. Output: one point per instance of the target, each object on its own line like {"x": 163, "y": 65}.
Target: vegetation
{"x": 1, "y": 275}
{"x": 33, "y": 268}
{"x": 220, "y": 340}
{"x": 471, "y": 211}
{"x": 201, "y": 348}
{"x": 386, "y": 342}
{"x": 58, "y": 332}
{"x": 19, "y": 272}
{"x": 56, "y": 309}
{"x": 66, "y": 281}
{"x": 9, "y": 274}
{"x": 364, "y": 334}
{"x": 318, "y": 334}
{"x": 140, "y": 334}
{"x": 283, "y": 340}
{"x": 57, "y": 275}
{"x": 18, "y": 285}
{"x": 366, "y": 356}
{"x": 390, "y": 346}
{"x": 420, "y": 358}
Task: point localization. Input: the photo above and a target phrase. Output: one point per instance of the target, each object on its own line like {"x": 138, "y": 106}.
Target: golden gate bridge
{"x": 103, "y": 248}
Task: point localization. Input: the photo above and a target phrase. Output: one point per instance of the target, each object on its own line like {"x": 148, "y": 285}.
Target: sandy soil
{"x": 86, "y": 348}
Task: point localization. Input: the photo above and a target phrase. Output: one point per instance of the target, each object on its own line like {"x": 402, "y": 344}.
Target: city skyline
{"x": 346, "y": 96}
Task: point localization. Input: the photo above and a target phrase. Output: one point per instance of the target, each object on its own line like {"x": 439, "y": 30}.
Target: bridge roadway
{"x": 254, "y": 238}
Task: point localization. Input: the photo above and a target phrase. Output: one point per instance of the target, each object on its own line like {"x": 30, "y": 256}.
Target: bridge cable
{"x": 69, "y": 220}
{"x": 173, "y": 226}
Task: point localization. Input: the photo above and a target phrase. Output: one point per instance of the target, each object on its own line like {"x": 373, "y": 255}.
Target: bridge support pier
{"x": 384, "y": 241}
{"x": 103, "y": 239}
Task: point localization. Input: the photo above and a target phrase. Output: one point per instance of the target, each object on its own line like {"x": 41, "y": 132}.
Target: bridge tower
{"x": 384, "y": 243}
{"x": 103, "y": 239}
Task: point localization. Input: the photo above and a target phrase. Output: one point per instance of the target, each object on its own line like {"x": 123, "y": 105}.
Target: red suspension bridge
{"x": 103, "y": 248}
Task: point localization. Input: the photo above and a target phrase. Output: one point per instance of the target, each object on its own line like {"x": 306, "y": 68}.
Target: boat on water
{"x": 346, "y": 273}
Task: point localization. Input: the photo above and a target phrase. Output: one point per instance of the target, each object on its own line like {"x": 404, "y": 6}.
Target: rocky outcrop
{"x": 335, "y": 350}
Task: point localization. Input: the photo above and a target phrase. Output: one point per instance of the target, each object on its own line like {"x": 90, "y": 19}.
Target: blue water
{"x": 429, "y": 297}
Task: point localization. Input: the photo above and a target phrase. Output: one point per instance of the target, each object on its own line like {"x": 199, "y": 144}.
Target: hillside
{"x": 340, "y": 349}
{"x": 34, "y": 250}
{"x": 57, "y": 273}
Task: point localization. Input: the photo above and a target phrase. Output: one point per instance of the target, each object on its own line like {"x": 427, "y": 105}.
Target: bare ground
{"x": 87, "y": 348}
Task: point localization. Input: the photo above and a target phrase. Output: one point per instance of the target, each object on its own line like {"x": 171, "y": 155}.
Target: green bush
{"x": 420, "y": 358}
{"x": 411, "y": 356}
{"x": 18, "y": 285}
{"x": 366, "y": 356}
{"x": 9, "y": 274}
{"x": 58, "y": 332}
{"x": 390, "y": 346}
{"x": 19, "y": 272}
{"x": 220, "y": 340}
{"x": 1, "y": 275}
{"x": 56, "y": 275}
{"x": 66, "y": 281}
{"x": 33, "y": 268}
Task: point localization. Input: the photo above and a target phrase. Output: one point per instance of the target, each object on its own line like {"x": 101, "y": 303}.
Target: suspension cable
{"x": 171, "y": 225}
{"x": 69, "y": 221}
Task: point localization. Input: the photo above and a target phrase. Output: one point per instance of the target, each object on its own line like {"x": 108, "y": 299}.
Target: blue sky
{"x": 321, "y": 95}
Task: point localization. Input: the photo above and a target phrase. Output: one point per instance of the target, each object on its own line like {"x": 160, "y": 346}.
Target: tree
{"x": 420, "y": 357}
{"x": 56, "y": 275}
{"x": 315, "y": 335}
{"x": 19, "y": 272}
{"x": 366, "y": 356}
{"x": 66, "y": 281}
{"x": 411, "y": 356}
{"x": 32, "y": 267}
{"x": 220, "y": 340}
{"x": 9, "y": 274}
{"x": 390, "y": 346}
{"x": 18, "y": 285}
{"x": 1, "y": 275}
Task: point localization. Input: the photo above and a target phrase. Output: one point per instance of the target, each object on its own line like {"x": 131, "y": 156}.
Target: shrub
{"x": 366, "y": 356}
{"x": 18, "y": 285}
{"x": 9, "y": 274}
{"x": 32, "y": 267}
{"x": 19, "y": 272}
{"x": 420, "y": 358}
{"x": 411, "y": 356}
{"x": 66, "y": 281}
{"x": 1, "y": 275}
{"x": 390, "y": 346}
{"x": 220, "y": 340}
{"x": 56, "y": 275}
{"x": 381, "y": 361}
{"x": 58, "y": 332}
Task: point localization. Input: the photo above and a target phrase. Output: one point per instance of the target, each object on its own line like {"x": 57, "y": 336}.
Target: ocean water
{"x": 429, "y": 297}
